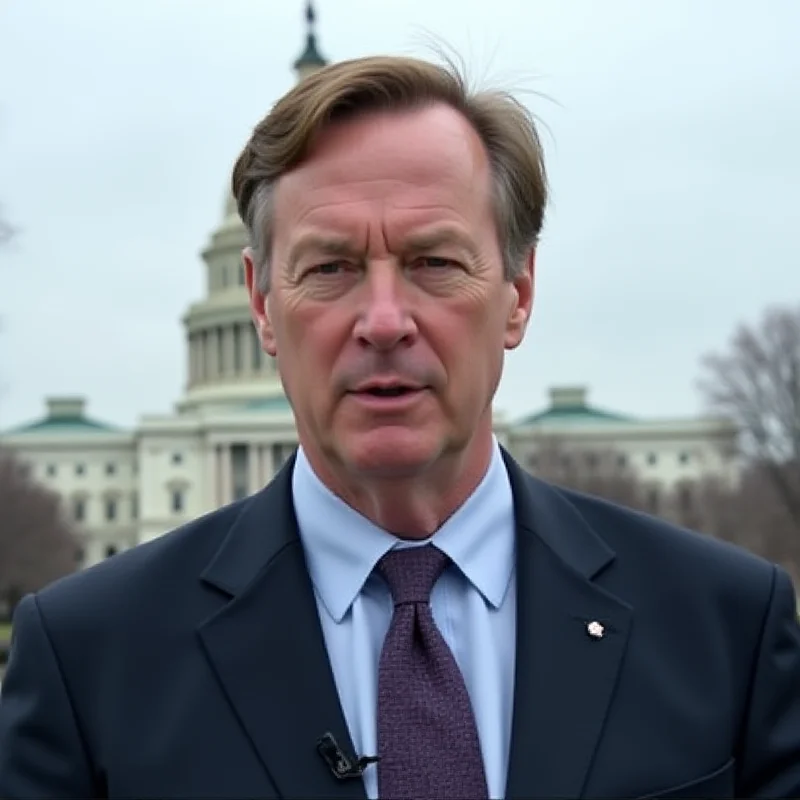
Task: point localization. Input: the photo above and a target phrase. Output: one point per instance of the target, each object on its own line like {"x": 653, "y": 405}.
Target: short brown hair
{"x": 345, "y": 89}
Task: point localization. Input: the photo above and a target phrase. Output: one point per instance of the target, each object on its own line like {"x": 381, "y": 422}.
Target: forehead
{"x": 414, "y": 164}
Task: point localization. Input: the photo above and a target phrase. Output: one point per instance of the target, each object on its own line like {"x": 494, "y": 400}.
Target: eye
{"x": 436, "y": 262}
{"x": 326, "y": 268}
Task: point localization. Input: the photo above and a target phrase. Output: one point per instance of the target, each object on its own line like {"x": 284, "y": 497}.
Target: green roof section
{"x": 65, "y": 415}
{"x": 569, "y": 406}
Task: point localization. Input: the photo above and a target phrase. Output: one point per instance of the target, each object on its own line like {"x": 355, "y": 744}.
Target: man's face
{"x": 388, "y": 312}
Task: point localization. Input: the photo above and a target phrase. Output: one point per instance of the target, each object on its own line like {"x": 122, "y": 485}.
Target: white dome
{"x": 230, "y": 219}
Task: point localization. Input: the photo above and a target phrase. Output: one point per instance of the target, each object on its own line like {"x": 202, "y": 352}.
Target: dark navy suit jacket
{"x": 194, "y": 666}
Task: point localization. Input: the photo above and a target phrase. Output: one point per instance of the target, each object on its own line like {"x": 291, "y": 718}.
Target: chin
{"x": 391, "y": 452}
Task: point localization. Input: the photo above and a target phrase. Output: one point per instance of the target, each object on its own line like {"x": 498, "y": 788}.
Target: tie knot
{"x": 411, "y": 572}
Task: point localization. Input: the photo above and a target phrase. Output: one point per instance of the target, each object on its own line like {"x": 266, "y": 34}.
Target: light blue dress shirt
{"x": 473, "y": 603}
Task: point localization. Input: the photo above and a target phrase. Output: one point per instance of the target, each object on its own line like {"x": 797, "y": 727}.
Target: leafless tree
{"x": 750, "y": 513}
{"x": 756, "y": 382}
{"x": 37, "y": 545}
{"x": 602, "y": 472}
{"x": 6, "y": 231}
{"x": 747, "y": 511}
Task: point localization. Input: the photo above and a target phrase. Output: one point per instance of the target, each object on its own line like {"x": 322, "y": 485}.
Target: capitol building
{"x": 233, "y": 427}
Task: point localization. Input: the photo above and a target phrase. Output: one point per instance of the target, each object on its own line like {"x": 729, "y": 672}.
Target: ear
{"x": 521, "y": 306}
{"x": 258, "y": 304}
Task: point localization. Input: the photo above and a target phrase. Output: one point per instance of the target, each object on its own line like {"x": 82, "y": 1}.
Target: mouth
{"x": 388, "y": 390}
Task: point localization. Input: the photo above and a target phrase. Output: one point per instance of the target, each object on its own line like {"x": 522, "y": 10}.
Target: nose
{"x": 385, "y": 321}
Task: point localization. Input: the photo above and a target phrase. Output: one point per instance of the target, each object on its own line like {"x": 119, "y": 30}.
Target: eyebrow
{"x": 342, "y": 246}
{"x": 423, "y": 241}
{"x": 329, "y": 244}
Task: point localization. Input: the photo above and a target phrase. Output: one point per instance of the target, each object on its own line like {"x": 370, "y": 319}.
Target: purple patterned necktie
{"x": 427, "y": 737}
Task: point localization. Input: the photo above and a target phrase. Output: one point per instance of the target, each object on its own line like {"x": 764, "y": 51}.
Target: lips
{"x": 387, "y": 388}
{"x": 389, "y": 391}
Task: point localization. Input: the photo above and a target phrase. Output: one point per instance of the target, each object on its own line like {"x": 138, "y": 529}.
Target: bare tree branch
{"x": 756, "y": 382}
{"x": 751, "y": 514}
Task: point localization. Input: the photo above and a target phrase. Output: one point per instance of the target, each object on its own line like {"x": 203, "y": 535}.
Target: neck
{"x": 414, "y": 507}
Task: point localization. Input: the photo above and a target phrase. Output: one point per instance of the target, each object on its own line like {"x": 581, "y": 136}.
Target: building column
{"x": 212, "y": 349}
{"x": 190, "y": 359}
{"x": 253, "y": 351}
{"x": 211, "y": 481}
{"x": 254, "y": 481}
{"x": 266, "y": 463}
{"x": 194, "y": 341}
{"x": 217, "y": 475}
{"x": 202, "y": 357}
{"x": 199, "y": 356}
{"x": 227, "y": 475}
{"x": 236, "y": 371}
{"x": 222, "y": 352}
{"x": 261, "y": 475}
{"x": 206, "y": 351}
{"x": 244, "y": 349}
{"x": 230, "y": 360}
{"x": 224, "y": 475}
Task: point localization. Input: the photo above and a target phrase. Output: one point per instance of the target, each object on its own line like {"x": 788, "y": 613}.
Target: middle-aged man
{"x": 402, "y": 590}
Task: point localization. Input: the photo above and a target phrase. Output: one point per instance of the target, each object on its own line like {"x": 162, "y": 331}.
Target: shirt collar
{"x": 342, "y": 547}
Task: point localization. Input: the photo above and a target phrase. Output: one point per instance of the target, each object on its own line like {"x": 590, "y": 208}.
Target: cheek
{"x": 458, "y": 337}
{"x": 311, "y": 339}
{"x": 470, "y": 321}
{"x": 470, "y": 340}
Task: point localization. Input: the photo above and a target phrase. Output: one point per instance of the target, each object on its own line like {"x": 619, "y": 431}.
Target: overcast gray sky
{"x": 673, "y": 131}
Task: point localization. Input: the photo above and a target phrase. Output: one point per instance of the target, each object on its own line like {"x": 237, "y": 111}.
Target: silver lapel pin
{"x": 595, "y": 630}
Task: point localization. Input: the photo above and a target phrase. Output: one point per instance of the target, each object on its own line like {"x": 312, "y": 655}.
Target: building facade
{"x": 233, "y": 427}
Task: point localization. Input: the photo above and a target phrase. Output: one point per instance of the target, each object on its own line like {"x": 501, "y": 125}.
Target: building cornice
{"x": 656, "y": 429}
{"x": 43, "y": 440}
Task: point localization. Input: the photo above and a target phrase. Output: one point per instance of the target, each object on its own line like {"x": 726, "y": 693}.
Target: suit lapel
{"x": 267, "y": 648}
{"x": 565, "y": 677}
